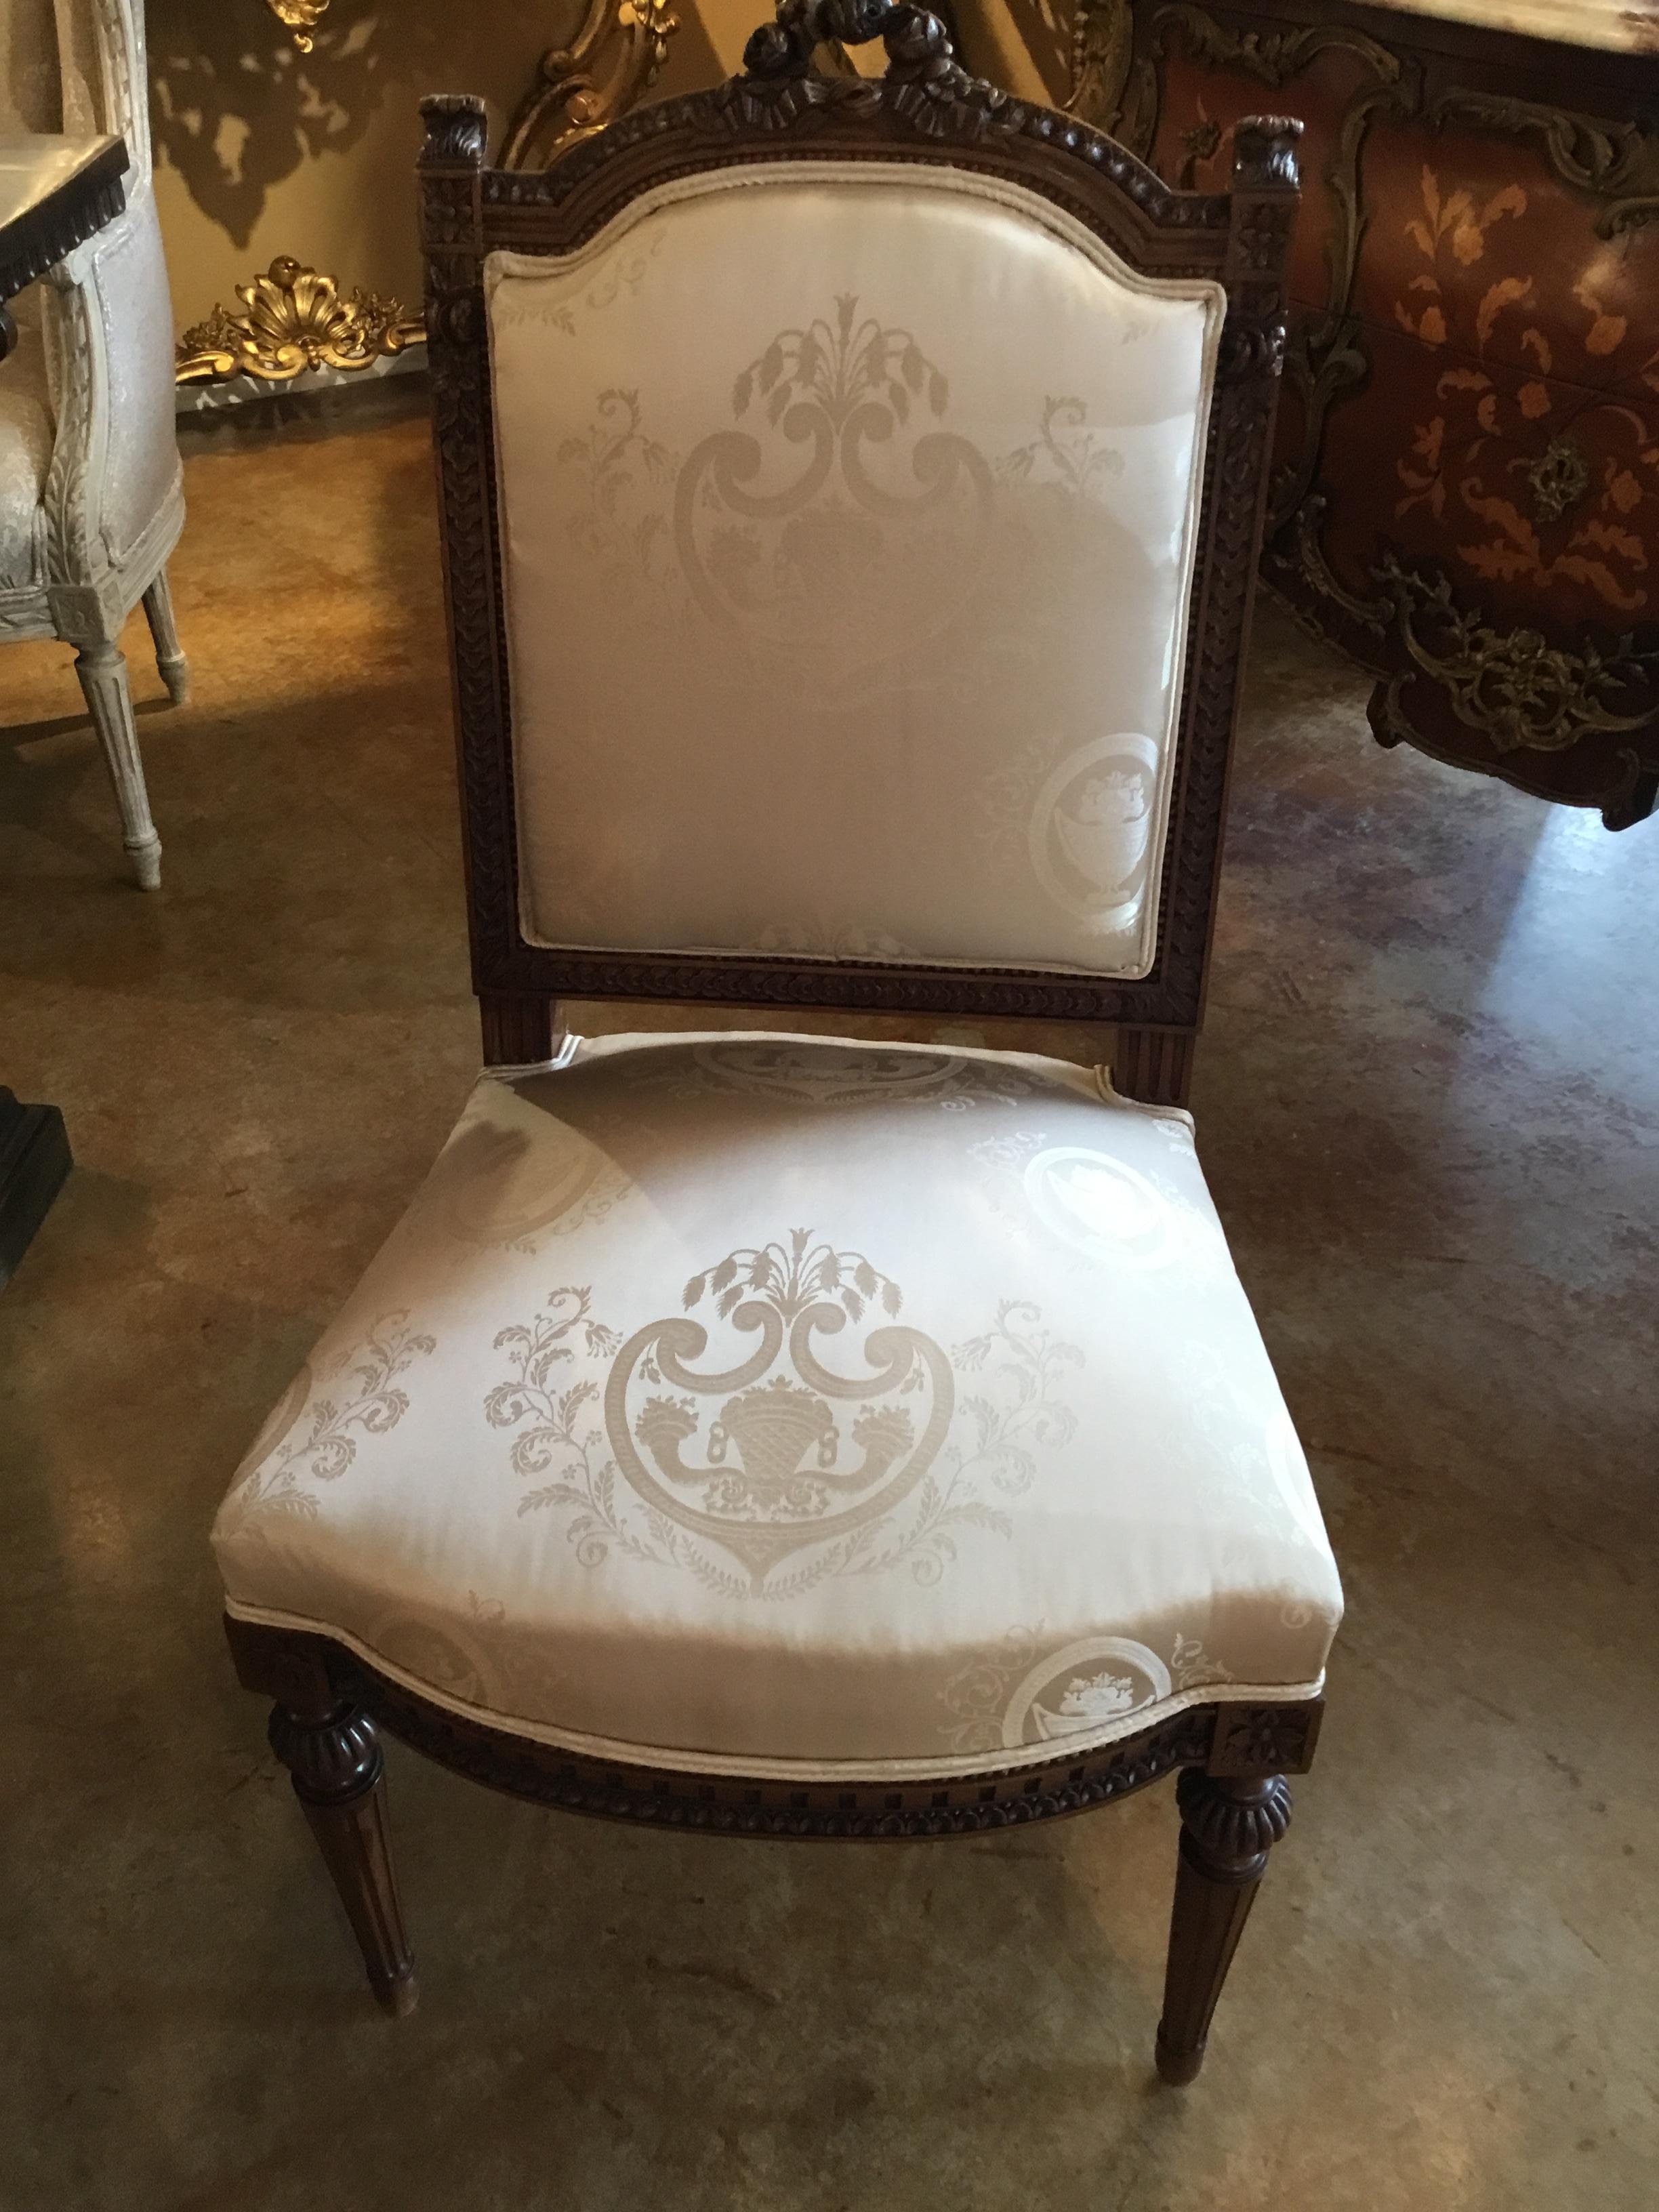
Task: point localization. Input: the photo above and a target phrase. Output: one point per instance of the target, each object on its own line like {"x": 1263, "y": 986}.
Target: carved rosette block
{"x": 1257, "y": 1740}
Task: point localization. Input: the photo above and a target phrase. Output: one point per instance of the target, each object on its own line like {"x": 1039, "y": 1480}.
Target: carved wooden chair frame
{"x": 1234, "y": 1800}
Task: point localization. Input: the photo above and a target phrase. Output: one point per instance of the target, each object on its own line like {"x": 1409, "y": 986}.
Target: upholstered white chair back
{"x": 848, "y": 514}
{"x": 79, "y": 66}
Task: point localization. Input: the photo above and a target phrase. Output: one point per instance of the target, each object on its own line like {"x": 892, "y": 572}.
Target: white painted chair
{"x": 91, "y": 495}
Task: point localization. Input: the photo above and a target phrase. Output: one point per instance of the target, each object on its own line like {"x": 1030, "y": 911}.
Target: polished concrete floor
{"x": 1427, "y": 1099}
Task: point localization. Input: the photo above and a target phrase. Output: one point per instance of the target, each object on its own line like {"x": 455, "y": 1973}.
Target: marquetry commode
{"x": 1467, "y": 489}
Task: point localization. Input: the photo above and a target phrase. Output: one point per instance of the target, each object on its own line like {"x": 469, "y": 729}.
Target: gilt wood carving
{"x": 1464, "y": 498}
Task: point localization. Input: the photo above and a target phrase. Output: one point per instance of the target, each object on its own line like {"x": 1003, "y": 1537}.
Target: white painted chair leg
{"x": 170, "y": 661}
{"x": 102, "y": 669}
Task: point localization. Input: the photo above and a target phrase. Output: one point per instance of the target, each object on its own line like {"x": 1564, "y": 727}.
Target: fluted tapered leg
{"x": 102, "y": 669}
{"x": 1227, "y": 1829}
{"x": 339, "y": 1771}
{"x": 173, "y": 668}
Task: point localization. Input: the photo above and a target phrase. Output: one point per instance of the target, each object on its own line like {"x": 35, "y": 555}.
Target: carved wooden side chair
{"x": 850, "y": 496}
{"x": 91, "y": 494}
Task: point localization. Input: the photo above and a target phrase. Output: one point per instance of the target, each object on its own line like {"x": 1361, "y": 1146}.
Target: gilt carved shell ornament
{"x": 292, "y": 321}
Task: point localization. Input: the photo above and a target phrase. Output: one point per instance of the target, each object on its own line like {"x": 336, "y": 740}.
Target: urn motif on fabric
{"x": 832, "y": 396}
{"x": 763, "y": 1475}
{"x": 797, "y": 1452}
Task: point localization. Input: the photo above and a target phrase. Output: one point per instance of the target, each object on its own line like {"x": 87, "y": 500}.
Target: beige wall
{"x": 1023, "y": 45}
{"x": 262, "y": 151}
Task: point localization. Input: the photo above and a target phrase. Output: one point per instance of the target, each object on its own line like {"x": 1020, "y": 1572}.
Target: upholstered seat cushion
{"x": 787, "y": 1406}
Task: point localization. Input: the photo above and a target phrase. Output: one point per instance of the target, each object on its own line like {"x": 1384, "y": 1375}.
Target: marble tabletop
{"x": 54, "y": 193}
{"x": 1630, "y": 27}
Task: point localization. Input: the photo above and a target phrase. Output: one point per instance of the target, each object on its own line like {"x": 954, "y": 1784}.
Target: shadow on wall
{"x": 1045, "y": 29}
{"x": 261, "y": 148}
{"x": 238, "y": 108}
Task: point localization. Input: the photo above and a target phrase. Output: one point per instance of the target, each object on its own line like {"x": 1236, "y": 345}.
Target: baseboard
{"x": 276, "y": 413}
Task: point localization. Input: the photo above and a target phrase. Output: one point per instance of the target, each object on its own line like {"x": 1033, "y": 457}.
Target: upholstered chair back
{"x": 78, "y": 66}
{"x": 847, "y": 493}
{"x": 848, "y": 522}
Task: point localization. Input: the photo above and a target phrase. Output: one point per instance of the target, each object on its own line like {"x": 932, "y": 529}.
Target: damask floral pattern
{"x": 832, "y": 531}
{"x": 614, "y": 469}
{"x": 455, "y": 1654}
{"x": 727, "y": 1484}
{"x": 786, "y": 1488}
{"x": 1080, "y": 826}
{"x": 283, "y": 1461}
{"x": 835, "y": 537}
{"x": 501, "y": 1185}
{"x": 561, "y": 308}
{"x": 1065, "y": 452}
{"x": 773, "y": 562}
{"x": 1117, "y": 1217}
{"x": 820, "y": 1075}
{"x": 838, "y": 940}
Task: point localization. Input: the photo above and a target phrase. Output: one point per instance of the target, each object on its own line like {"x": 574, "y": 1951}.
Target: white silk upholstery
{"x": 848, "y": 519}
{"x": 802, "y": 1408}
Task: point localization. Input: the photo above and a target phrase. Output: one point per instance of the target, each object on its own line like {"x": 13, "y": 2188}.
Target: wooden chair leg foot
{"x": 339, "y": 1771}
{"x": 102, "y": 669}
{"x": 1227, "y": 1829}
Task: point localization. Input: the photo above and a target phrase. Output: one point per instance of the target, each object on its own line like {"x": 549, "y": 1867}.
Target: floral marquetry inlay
{"x": 1514, "y": 514}
{"x": 1472, "y": 357}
